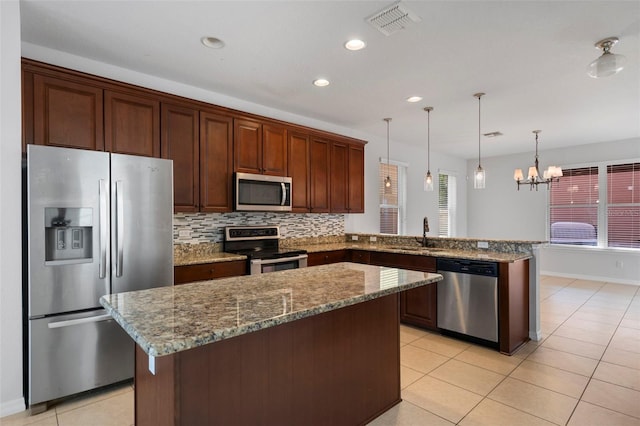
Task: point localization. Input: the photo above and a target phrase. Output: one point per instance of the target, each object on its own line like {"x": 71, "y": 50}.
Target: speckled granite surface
{"x": 166, "y": 320}
{"x": 461, "y": 248}
{"x": 422, "y": 251}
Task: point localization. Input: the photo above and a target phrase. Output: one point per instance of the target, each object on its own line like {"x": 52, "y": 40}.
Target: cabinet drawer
{"x": 209, "y": 271}
{"x": 326, "y": 257}
{"x": 360, "y": 256}
{"x": 406, "y": 261}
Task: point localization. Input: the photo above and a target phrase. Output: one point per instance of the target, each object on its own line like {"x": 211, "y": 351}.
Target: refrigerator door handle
{"x": 68, "y": 323}
{"x": 119, "y": 227}
{"x": 102, "y": 194}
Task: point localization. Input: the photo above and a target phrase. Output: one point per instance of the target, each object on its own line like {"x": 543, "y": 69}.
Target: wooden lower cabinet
{"x": 360, "y": 256}
{"x": 419, "y": 306}
{"x": 336, "y": 368}
{"x": 209, "y": 271}
{"x": 513, "y": 305}
{"x": 326, "y": 257}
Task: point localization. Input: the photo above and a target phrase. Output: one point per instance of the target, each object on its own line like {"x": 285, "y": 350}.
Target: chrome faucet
{"x": 425, "y": 229}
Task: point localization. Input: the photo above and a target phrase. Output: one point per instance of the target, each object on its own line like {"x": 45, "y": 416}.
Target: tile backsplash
{"x": 196, "y": 228}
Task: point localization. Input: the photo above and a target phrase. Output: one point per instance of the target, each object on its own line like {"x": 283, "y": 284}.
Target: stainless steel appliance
{"x": 468, "y": 299}
{"x": 262, "y": 192}
{"x": 97, "y": 223}
{"x": 261, "y": 245}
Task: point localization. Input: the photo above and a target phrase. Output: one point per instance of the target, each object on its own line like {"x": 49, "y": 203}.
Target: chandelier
{"x": 552, "y": 174}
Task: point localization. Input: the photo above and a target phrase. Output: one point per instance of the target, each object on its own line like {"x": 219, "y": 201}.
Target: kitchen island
{"x": 308, "y": 346}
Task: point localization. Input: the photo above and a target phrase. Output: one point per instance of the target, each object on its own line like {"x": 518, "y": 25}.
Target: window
{"x": 623, "y": 205}
{"x": 446, "y": 204}
{"x": 392, "y": 204}
{"x": 597, "y": 206}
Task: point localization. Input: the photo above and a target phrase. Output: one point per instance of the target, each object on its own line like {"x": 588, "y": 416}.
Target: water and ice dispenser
{"x": 68, "y": 235}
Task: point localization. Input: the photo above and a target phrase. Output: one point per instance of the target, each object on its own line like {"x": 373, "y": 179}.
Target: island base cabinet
{"x": 340, "y": 367}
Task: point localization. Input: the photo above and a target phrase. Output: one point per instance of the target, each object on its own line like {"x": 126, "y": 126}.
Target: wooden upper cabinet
{"x": 339, "y": 178}
{"x": 298, "y": 170}
{"x": 356, "y": 179}
{"x": 319, "y": 158}
{"x": 65, "y": 113}
{"x": 132, "y": 124}
{"x": 247, "y": 137}
{"x": 216, "y": 162}
{"x": 274, "y": 150}
{"x": 259, "y": 148}
{"x": 180, "y": 140}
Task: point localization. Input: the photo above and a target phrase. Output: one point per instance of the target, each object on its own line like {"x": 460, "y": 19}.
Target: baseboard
{"x": 591, "y": 278}
{"x": 11, "y": 407}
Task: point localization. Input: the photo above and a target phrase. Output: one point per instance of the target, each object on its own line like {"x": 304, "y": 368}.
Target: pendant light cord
{"x": 428, "y": 140}
{"x": 479, "y": 96}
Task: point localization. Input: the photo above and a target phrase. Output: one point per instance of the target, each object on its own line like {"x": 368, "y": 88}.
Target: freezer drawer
{"x": 74, "y": 353}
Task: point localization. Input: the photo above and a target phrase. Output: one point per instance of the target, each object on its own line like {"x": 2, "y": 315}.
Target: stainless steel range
{"x": 261, "y": 245}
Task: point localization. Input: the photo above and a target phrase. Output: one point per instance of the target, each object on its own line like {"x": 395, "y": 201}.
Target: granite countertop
{"x": 421, "y": 251}
{"x": 196, "y": 258}
{"x": 166, "y": 320}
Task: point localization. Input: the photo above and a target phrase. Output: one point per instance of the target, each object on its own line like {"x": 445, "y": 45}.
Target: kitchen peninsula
{"x": 317, "y": 345}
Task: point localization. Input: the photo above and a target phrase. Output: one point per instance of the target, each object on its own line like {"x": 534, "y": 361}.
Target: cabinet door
{"x": 418, "y": 306}
{"x": 216, "y": 165}
{"x": 298, "y": 167}
{"x": 180, "y": 143}
{"x": 339, "y": 177}
{"x": 356, "y": 179}
{"x": 274, "y": 150}
{"x": 132, "y": 124}
{"x": 319, "y": 159}
{"x": 247, "y": 143}
{"x": 326, "y": 257}
{"x": 67, "y": 113}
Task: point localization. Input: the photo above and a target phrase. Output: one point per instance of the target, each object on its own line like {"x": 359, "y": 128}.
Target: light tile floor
{"x": 585, "y": 372}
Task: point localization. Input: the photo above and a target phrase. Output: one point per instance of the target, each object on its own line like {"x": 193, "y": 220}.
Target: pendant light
{"x": 387, "y": 180}
{"x": 428, "y": 179}
{"x": 608, "y": 63}
{"x": 479, "y": 175}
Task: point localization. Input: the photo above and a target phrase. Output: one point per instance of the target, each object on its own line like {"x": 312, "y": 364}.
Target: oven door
{"x": 261, "y": 266}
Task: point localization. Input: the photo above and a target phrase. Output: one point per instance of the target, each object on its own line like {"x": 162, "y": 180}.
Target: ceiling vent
{"x": 393, "y": 18}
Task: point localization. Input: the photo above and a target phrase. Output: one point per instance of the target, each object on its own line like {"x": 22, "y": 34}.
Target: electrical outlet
{"x": 483, "y": 244}
{"x": 373, "y": 239}
{"x": 619, "y": 264}
{"x": 354, "y": 238}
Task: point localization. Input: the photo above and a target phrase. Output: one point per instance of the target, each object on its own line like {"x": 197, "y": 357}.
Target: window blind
{"x": 446, "y": 204}
{"x": 573, "y": 207}
{"x": 623, "y": 205}
{"x": 389, "y": 208}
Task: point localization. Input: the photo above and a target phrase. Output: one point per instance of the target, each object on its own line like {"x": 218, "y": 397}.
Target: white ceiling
{"x": 530, "y": 58}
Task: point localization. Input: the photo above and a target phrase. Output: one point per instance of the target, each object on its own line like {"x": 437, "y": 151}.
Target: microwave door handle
{"x": 284, "y": 193}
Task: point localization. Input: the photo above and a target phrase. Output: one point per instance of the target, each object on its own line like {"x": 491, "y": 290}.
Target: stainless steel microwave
{"x": 262, "y": 193}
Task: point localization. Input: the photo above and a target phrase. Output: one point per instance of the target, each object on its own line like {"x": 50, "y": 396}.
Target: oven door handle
{"x": 279, "y": 260}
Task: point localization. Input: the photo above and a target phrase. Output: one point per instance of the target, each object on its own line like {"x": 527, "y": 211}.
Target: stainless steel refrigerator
{"x": 97, "y": 223}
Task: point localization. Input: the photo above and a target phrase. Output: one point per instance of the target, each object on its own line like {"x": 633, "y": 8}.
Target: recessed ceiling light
{"x": 212, "y": 42}
{"x": 321, "y": 82}
{"x": 492, "y": 134}
{"x": 355, "y": 44}
{"x": 414, "y": 98}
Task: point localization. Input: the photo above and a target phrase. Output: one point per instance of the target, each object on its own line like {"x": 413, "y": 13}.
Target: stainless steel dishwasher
{"x": 468, "y": 299}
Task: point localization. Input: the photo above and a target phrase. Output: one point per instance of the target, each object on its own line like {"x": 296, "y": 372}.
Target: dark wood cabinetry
{"x": 132, "y": 124}
{"x": 65, "y": 113}
{"x": 319, "y": 155}
{"x": 326, "y": 257}
{"x": 207, "y": 143}
{"x": 298, "y": 170}
{"x": 260, "y": 148}
{"x": 347, "y": 178}
{"x": 180, "y": 140}
{"x": 216, "y": 166}
{"x": 209, "y": 271}
{"x": 513, "y": 307}
{"x": 360, "y": 256}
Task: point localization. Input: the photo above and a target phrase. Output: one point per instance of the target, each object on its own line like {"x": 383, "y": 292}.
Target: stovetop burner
{"x": 257, "y": 242}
